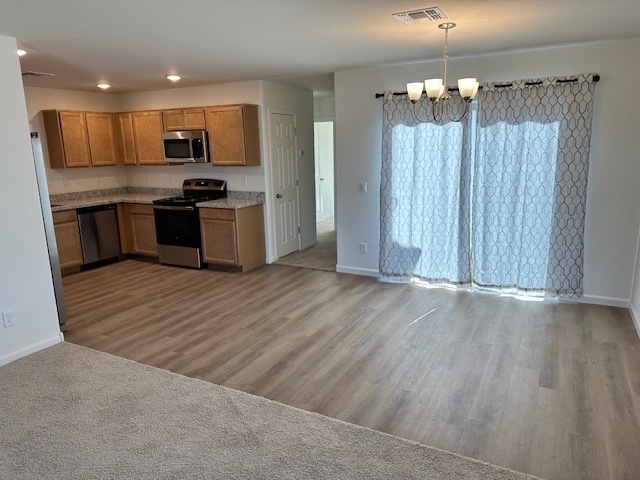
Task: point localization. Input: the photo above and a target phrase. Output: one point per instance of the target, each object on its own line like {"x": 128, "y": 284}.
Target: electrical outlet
{"x": 243, "y": 180}
{"x": 363, "y": 187}
{"x": 363, "y": 248}
{"x": 66, "y": 182}
{"x": 8, "y": 319}
{"x": 147, "y": 176}
{"x": 99, "y": 179}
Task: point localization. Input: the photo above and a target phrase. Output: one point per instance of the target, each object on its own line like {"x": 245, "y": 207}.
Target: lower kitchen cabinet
{"x": 233, "y": 237}
{"x": 140, "y": 229}
{"x": 65, "y": 225}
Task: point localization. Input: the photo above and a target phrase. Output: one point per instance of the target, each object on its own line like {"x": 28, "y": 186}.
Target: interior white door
{"x": 285, "y": 175}
{"x": 318, "y": 174}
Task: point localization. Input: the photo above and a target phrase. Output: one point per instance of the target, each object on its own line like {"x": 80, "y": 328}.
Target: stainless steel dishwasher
{"x": 99, "y": 232}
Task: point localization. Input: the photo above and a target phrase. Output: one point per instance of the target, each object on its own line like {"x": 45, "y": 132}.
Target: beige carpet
{"x": 322, "y": 256}
{"x": 70, "y": 412}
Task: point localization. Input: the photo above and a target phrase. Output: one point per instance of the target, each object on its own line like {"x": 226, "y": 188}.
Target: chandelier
{"x": 438, "y": 92}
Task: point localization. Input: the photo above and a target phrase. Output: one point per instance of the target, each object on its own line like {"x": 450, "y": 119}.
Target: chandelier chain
{"x": 445, "y": 57}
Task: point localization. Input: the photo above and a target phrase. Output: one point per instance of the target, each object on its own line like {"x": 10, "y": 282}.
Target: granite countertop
{"x": 59, "y": 205}
{"x": 72, "y": 201}
{"x": 230, "y": 203}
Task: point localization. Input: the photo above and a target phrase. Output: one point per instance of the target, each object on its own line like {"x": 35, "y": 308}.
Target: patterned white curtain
{"x": 530, "y": 185}
{"x": 424, "y": 194}
{"x": 496, "y": 201}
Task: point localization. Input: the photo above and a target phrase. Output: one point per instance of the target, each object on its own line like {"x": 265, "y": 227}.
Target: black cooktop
{"x": 196, "y": 190}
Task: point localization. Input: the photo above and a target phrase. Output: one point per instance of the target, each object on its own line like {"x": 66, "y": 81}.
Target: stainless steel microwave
{"x": 189, "y": 146}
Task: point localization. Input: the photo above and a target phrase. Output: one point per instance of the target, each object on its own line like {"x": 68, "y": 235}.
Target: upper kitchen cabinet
{"x": 184, "y": 119}
{"x": 147, "y": 135}
{"x": 67, "y": 140}
{"x": 102, "y": 141}
{"x": 234, "y": 138}
{"x": 127, "y": 139}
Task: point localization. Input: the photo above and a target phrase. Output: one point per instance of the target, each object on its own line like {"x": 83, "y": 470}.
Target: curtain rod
{"x": 596, "y": 78}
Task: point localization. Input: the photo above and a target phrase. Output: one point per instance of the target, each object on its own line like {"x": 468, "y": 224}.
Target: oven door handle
{"x": 167, "y": 207}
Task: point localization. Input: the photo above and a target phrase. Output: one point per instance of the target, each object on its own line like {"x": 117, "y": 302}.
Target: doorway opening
{"x": 323, "y": 155}
{"x": 323, "y": 254}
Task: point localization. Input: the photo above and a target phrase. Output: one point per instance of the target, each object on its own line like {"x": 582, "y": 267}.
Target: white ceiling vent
{"x": 31, "y": 73}
{"x": 423, "y": 15}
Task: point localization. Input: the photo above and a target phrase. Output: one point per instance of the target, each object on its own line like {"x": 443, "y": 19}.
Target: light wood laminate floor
{"x": 547, "y": 389}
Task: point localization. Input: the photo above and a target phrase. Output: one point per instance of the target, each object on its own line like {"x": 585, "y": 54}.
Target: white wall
{"x": 324, "y": 109}
{"x": 73, "y": 179}
{"x": 613, "y": 206}
{"x": 299, "y": 101}
{"x": 25, "y": 276}
{"x": 634, "y": 304}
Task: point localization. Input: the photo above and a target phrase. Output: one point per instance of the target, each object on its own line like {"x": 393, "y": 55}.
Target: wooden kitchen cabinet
{"x": 147, "y": 135}
{"x": 80, "y": 139}
{"x": 67, "y": 141}
{"x": 234, "y": 138}
{"x": 233, "y": 237}
{"x": 184, "y": 119}
{"x": 65, "y": 225}
{"x": 127, "y": 139}
{"x": 140, "y": 228}
{"x": 101, "y": 137}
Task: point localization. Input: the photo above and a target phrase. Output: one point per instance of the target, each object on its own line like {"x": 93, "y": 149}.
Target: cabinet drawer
{"x": 64, "y": 216}
{"x": 218, "y": 213}
{"x": 140, "y": 208}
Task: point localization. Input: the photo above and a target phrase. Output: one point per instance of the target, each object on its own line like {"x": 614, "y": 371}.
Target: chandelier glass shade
{"x": 436, "y": 88}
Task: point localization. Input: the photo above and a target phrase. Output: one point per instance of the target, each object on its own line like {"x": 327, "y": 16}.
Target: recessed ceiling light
{"x": 103, "y": 86}
{"x": 21, "y": 52}
{"x": 173, "y": 78}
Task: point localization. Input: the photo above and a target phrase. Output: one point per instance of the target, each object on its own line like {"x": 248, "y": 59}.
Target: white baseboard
{"x": 635, "y": 316}
{"x": 309, "y": 245}
{"x": 367, "y": 272}
{"x": 272, "y": 259}
{"x": 32, "y": 349}
{"x": 599, "y": 300}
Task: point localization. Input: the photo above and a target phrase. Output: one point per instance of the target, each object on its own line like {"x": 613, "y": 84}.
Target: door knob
{"x": 278, "y": 195}
{"x": 322, "y": 179}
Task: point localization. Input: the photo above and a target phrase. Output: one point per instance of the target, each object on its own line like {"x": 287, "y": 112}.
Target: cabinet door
{"x": 67, "y": 238}
{"x": 74, "y": 139}
{"x": 173, "y": 120}
{"x": 194, "y": 119}
{"x": 101, "y": 139}
{"x": 147, "y": 127}
{"x": 125, "y": 120}
{"x": 219, "y": 242}
{"x": 141, "y": 229}
{"x": 233, "y": 135}
{"x": 184, "y": 119}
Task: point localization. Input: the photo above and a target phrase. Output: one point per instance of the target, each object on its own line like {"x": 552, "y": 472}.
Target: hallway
{"x": 322, "y": 256}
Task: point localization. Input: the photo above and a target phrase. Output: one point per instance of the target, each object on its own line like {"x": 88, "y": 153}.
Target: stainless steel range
{"x": 178, "y": 222}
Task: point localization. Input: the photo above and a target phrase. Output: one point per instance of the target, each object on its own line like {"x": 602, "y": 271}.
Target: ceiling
{"x": 133, "y": 44}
